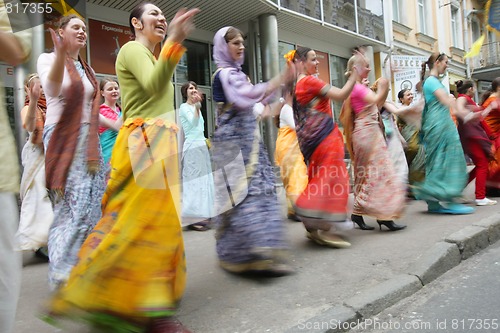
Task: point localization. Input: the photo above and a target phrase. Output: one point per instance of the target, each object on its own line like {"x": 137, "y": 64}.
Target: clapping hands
{"x": 182, "y": 24}
{"x": 60, "y": 45}
{"x": 34, "y": 89}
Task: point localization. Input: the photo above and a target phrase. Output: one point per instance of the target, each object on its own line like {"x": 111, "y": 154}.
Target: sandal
{"x": 198, "y": 227}
{"x": 330, "y": 240}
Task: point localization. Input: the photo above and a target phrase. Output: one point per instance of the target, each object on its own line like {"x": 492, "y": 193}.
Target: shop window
{"x": 194, "y": 64}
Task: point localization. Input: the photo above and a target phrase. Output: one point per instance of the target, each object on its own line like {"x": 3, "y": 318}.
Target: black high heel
{"x": 358, "y": 219}
{"x": 390, "y": 225}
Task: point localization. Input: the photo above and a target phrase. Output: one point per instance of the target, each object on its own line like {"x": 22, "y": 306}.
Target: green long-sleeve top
{"x": 145, "y": 83}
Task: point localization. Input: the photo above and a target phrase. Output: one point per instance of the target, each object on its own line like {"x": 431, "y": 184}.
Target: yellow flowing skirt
{"x": 132, "y": 266}
{"x": 293, "y": 169}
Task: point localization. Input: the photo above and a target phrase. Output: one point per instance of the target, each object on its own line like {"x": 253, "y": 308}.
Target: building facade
{"x": 387, "y": 29}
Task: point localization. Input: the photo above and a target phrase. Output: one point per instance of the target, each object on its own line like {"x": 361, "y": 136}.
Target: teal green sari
{"x": 107, "y": 138}
{"x": 445, "y": 165}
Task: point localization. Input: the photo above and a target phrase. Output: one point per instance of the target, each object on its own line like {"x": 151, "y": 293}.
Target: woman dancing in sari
{"x": 323, "y": 203}
{"x": 293, "y": 169}
{"x": 74, "y": 167}
{"x": 36, "y": 209}
{"x": 491, "y": 125}
{"x": 394, "y": 140}
{"x": 378, "y": 191}
{"x": 445, "y": 166}
{"x": 475, "y": 142}
{"x": 250, "y": 234}
{"x": 409, "y": 123}
{"x": 132, "y": 272}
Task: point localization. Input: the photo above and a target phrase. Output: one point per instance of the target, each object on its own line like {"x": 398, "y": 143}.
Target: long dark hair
{"x": 494, "y": 86}
{"x": 185, "y": 88}
{"x": 401, "y": 94}
{"x": 301, "y": 53}
{"x": 463, "y": 86}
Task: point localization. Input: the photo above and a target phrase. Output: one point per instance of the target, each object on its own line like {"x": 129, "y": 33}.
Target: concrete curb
{"x": 379, "y": 297}
{"x": 434, "y": 262}
{"x": 440, "y": 258}
{"x": 472, "y": 239}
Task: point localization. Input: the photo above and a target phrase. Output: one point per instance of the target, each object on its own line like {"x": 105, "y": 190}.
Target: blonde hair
{"x": 30, "y": 78}
{"x": 354, "y": 60}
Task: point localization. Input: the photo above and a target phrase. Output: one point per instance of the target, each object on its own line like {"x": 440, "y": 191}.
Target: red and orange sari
{"x": 492, "y": 127}
{"x": 322, "y": 144}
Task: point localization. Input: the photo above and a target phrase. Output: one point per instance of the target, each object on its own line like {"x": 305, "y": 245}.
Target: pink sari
{"x": 378, "y": 192}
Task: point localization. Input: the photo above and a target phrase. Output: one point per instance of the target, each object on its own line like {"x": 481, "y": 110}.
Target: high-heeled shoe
{"x": 390, "y": 225}
{"x": 358, "y": 219}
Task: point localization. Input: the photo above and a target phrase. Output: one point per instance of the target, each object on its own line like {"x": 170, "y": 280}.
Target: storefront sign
{"x": 407, "y": 70}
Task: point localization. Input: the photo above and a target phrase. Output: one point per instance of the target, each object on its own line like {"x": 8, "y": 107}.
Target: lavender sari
{"x": 249, "y": 228}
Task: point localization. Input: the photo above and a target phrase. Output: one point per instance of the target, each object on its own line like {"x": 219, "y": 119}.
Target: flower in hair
{"x": 289, "y": 56}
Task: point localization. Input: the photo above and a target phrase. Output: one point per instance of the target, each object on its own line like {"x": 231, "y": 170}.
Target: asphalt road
{"x": 465, "y": 299}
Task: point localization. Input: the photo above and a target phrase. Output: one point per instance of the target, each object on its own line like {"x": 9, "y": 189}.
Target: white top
{"x": 54, "y": 92}
{"x": 286, "y": 117}
{"x": 258, "y": 108}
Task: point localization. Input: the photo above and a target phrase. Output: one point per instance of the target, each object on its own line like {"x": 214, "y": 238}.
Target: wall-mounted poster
{"x": 105, "y": 42}
{"x": 406, "y": 70}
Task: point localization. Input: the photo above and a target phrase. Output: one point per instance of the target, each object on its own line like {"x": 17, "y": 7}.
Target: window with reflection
{"x": 421, "y": 16}
{"x": 310, "y": 8}
{"x": 371, "y": 19}
{"x": 195, "y": 64}
{"x": 396, "y": 11}
{"x": 284, "y": 48}
{"x": 338, "y": 67}
{"x": 340, "y": 13}
{"x": 455, "y": 26}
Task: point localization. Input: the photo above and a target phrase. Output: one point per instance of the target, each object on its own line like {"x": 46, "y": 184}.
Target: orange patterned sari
{"x": 492, "y": 128}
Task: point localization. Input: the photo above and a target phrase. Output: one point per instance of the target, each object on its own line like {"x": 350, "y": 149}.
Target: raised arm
{"x": 404, "y": 110}
{"x": 52, "y": 71}
{"x": 340, "y": 94}
{"x": 28, "y": 113}
{"x": 458, "y": 107}
{"x": 380, "y": 96}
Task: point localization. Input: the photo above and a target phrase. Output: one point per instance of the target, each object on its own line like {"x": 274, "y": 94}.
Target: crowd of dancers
{"x": 101, "y": 181}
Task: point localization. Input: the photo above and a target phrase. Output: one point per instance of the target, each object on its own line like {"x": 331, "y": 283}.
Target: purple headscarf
{"x": 237, "y": 88}
{"x": 222, "y": 56}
